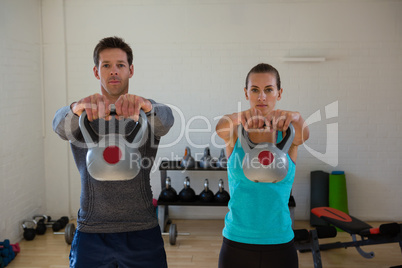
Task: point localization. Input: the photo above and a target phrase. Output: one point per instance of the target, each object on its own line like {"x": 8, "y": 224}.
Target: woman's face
{"x": 262, "y": 92}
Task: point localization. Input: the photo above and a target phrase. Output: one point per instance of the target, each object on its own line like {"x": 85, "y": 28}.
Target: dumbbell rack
{"x": 163, "y": 207}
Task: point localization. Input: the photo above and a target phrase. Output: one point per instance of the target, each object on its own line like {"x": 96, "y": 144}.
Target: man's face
{"x": 113, "y": 72}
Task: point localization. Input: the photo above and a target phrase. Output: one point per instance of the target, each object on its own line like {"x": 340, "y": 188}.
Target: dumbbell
{"x": 29, "y": 229}
{"x": 59, "y": 224}
{"x": 173, "y": 234}
{"x": 68, "y": 233}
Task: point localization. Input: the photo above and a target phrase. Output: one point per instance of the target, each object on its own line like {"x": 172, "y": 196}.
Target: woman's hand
{"x": 279, "y": 120}
{"x": 252, "y": 120}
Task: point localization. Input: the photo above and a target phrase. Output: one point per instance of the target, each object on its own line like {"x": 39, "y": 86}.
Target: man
{"x": 117, "y": 225}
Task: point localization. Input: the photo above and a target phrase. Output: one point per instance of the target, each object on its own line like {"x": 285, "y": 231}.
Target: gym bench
{"x": 307, "y": 240}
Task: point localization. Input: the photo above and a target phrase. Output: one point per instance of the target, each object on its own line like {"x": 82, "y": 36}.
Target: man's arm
{"x": 160, "y": 118}
{"x": 65, "y": 124}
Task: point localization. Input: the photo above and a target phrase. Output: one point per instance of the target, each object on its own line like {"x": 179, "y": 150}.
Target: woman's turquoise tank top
{"x": 258, "y": 212}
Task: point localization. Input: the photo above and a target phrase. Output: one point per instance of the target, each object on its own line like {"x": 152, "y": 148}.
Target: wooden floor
{"x": 201, "y": 249}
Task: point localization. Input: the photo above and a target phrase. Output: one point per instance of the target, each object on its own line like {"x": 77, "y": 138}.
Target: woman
{"x": 258, "y": 231}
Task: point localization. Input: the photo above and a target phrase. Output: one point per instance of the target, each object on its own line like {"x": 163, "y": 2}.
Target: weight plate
{"x": 172, "y": 234}
{"x": 69, "y": 233}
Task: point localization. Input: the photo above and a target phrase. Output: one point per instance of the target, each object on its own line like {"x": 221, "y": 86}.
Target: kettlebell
{"x": 206, "y": 195}
{"x": 222, "y": 160}
{"x": 187, "y": 194}
{"x": 266, "y": 162}
{"x": 187, "y": 161}
{"x": 207, "y": 161}
{"x": 113, "y": 156}
{"x": 41, "y": 224}
{"x": 29, "y": 229}
{"x": 168, "y": 194}
{"x": 222, "y": 196}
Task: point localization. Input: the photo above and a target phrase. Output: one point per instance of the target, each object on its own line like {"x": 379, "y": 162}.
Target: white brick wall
{"x": 195, "y": 55}
{"x": 22, "y": 183}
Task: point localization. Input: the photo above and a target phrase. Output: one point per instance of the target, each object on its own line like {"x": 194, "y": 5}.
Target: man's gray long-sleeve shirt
{"x": 115, "y": 206}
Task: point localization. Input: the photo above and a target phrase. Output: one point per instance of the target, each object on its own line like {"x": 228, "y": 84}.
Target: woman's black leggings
{"x": 239, "y": 255}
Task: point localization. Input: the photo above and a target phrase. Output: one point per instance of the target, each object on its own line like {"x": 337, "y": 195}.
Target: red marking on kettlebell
{"x": 265, "y": 158}
{"x": 112, "y": 154}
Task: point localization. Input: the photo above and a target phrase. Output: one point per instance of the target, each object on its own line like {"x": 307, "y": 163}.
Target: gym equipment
{"x": 41, "y": 224}
{"x": 168, "y": 194}
{"x": 207, "y": 161}
{"x": 266, "y": 162}
{"x": 68, "y": 233}
{"x": 206, "y": 195}
{"x": 222, "y": 196}
{"x": 59, "y": 224}
{"x": 29, "y": 229}
{"x": 222, "y": 160}
{"x": 307, "y": 240}
{"x": 385, "y": 233}
{"x": 338, "y": 196}
{"x": 319, "y": 185}
{"x": 114, "y": 156}
{"x": 188, "y": 161}
{"x": 173, "y": 234}
{"x": 187, "y": 194}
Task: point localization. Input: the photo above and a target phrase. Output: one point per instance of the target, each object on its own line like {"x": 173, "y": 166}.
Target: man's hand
{"x": 96, "y": 106}
{"x": 129, "y": 106}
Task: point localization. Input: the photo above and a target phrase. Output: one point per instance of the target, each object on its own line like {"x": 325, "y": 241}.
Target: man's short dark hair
{"x": 112, "y": 42}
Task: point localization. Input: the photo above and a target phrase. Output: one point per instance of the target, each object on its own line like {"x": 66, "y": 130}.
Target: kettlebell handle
{"x": 44, "y": 217}
{"x": 94, "y": 138}
{"x": 206, "y": 184}
{"x": 220, "y": 185}
{"x": 186, "y": 183}
{"x": 91, "y": 137}
{"x": 187, "y": 151}
{"x": 168, "y": 183}
{"x": 286, "y": 142}
{"x": 113, "y": 109}
{"x": 33, "y": 224}
{"x": 283, "y": 145}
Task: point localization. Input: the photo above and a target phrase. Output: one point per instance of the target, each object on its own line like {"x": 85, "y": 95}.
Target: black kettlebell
{"x": 187, "y": 194}
{"x": 168, "y": 194}
{"x": 206, "y": 195}
{"x": 41, "y": 224}
{"x": 222, "y": 196}
{"x": 29, "y": 229}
